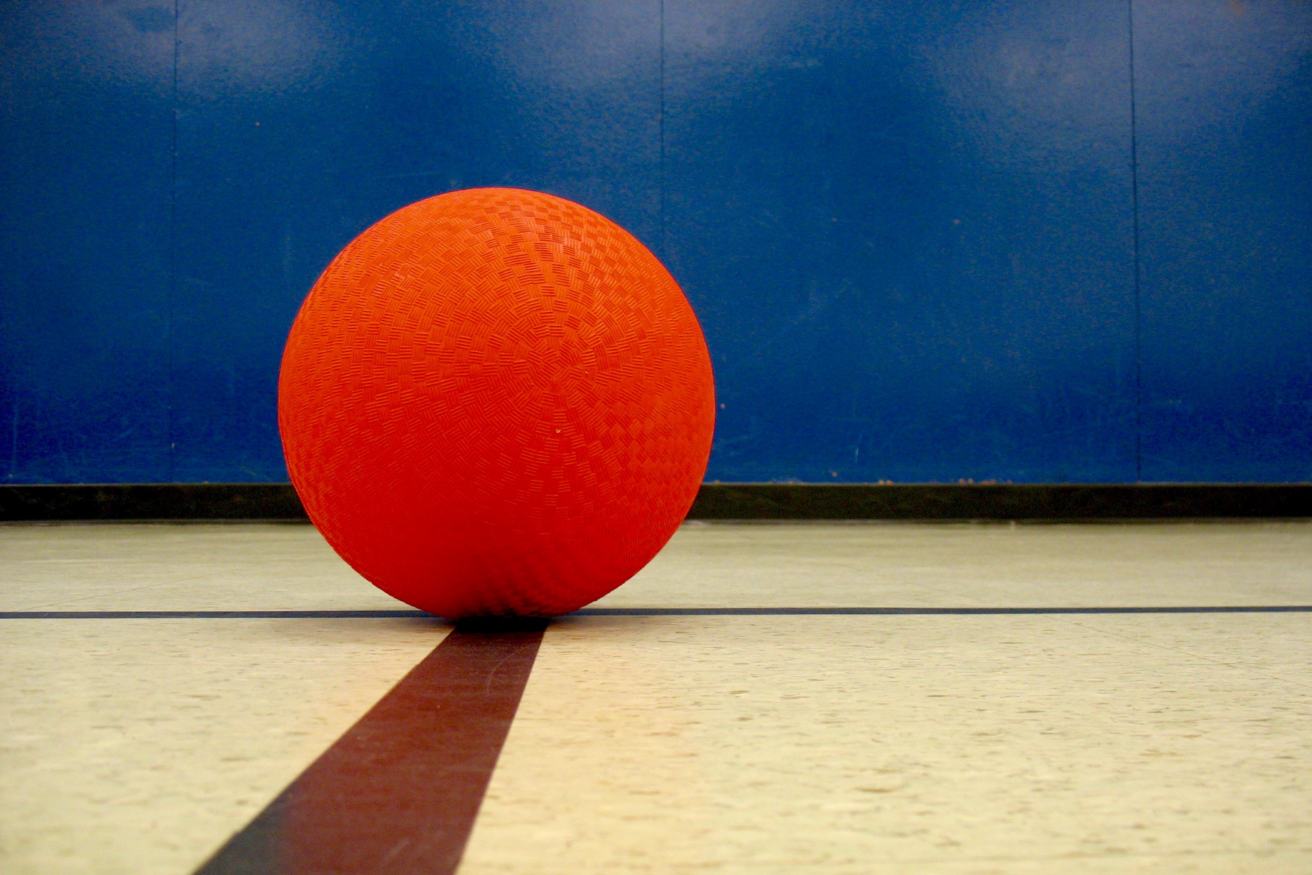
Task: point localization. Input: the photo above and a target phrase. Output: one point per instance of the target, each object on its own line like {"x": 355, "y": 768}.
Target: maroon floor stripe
{"x": 398, "y": 793}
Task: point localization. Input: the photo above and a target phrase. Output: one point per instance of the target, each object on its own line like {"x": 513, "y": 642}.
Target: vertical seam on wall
{"x": 173, "y": 237}
{"x": 1138, "y": 322}
{"x": 13, "y": 448}
{"x": 662, "y": 131}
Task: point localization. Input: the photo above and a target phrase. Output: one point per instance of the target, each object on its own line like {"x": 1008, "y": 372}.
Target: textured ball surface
{"x": 496, "y": 402}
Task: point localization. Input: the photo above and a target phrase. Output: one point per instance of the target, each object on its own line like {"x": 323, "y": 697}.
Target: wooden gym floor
{"x": 691, "y": 722}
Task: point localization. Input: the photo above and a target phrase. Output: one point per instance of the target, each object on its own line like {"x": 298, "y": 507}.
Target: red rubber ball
{"x": 496, "y": 402}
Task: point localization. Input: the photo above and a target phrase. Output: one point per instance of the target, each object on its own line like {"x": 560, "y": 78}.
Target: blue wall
{"x": 1037, "y": 240}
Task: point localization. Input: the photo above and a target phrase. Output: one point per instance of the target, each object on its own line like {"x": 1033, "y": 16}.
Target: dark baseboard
{"x": 151, "y": 501}
{"x": 720, "y": 501}
{"x": 1055, "y": 501}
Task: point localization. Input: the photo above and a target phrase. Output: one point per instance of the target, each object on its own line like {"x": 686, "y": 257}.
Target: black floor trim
{"x": 1000, "y": 501}
{"x": 151, "y": 501}
{"x": 720, "y": 501}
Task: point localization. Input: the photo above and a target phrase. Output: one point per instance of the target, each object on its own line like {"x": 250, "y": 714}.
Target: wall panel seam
{"x": 173, "y": 245}
{"x": 1138, "y": 321}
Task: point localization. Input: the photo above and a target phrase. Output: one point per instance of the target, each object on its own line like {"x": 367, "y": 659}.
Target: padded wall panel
{"x": 303, "y": 123}
{"x": 1225, "y": 202}
{"x": 907, "y": 228}
{"x": 908, "y": 231}
{"x": 86, "y": 140}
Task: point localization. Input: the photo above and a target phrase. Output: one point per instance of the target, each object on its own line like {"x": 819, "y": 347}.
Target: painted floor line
{"x": 211, "y": 615}
{"x": 399, "y": 792}
{"x": 661, "y": 612}
{"x": 857, "y": 611}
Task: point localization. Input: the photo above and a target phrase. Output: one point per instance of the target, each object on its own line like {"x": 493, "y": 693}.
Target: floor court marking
{"x": 399, "y": 792}
{"x": 661, "y": 612}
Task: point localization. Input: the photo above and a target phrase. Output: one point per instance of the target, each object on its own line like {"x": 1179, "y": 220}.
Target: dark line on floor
{"x": 209, "y": 615}
{"x": 399, "y": 792}
{"x": 793, "y": 612}
{"x": 658, "y": 612}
